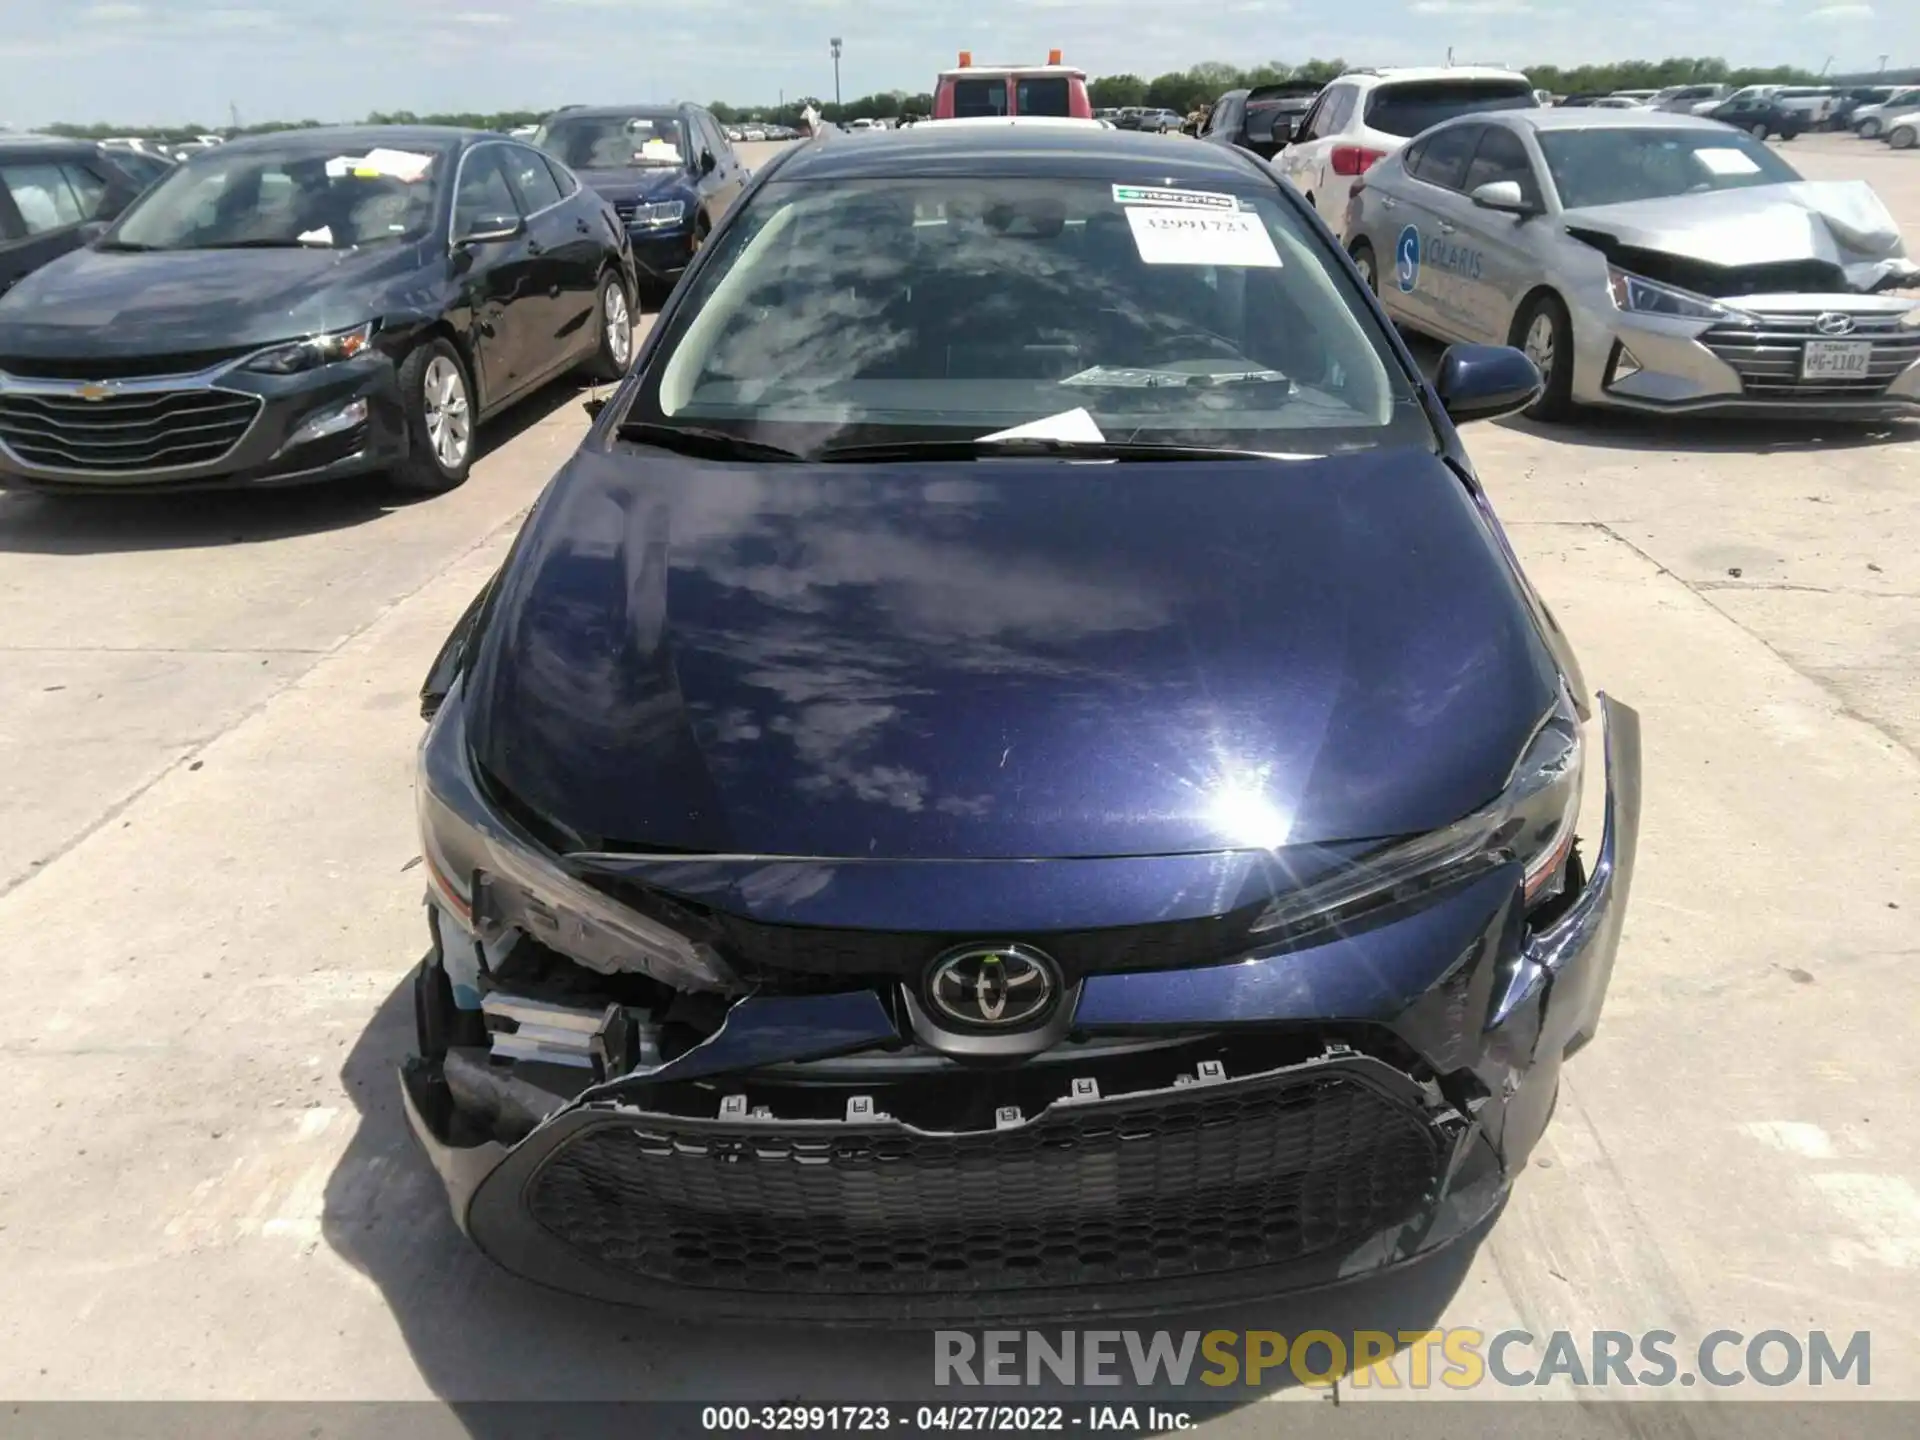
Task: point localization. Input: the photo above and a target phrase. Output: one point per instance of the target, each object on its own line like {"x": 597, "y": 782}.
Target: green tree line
{"x": 1181, "y": 90}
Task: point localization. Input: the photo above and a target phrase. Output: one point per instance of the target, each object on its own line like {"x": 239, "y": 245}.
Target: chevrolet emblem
{"x": 94, "y": 390}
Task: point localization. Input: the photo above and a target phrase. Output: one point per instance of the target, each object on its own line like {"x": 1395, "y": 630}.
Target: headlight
{"x": 319, "y": 350}
{"x": 662, "y": 212}
{"x": 1638, "y": 295}
{"x": 491, "y": 880}
{"x": 1532, "y": 822}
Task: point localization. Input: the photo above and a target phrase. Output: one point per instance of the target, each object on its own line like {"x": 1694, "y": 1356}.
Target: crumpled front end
{"x": 1174, "y": 1132}
{"x": 1768, "y": 300}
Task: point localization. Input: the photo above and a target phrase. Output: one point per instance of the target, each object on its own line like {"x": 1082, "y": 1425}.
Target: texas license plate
{"x": 1835, "y": 359}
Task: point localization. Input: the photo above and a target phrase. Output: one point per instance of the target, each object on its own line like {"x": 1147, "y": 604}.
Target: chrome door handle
{"x": 1446, "y": 228}
{"x": 1387, "y": 202}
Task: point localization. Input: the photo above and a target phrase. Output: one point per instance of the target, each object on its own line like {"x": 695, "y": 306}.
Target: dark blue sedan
{"x": 667, "y": 170}
{"x": 1014, "y": 775}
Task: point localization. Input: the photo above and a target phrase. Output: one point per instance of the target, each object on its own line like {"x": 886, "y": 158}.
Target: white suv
{"x": 1366, "y": 115}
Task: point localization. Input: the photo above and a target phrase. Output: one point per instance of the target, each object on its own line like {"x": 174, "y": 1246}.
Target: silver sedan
{"x": 1645, "y": 261}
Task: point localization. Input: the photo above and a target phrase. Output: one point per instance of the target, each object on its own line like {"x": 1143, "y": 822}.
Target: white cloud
{"x": 482, "y": 17}
{"x": 1472, "y": 7}
{"x": 1841, "y": 12}
{"x": 113, "y": 14}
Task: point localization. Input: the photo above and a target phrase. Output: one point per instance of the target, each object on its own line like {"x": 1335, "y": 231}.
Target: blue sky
{"x": 168, "y": 61}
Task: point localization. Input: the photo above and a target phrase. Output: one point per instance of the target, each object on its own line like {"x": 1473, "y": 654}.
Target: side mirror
{"x": 1505, "y": 196}
{"x": 492, "y": 230}
{"x": 1265, "y": 133}
{"x": 707, "y": 162}
{"x": 1484, "y": 382}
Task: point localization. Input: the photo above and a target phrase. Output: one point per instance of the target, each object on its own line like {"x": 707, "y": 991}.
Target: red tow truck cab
{"x": 971, "y": 90}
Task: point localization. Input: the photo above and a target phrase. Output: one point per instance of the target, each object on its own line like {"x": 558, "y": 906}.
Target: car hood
{"x": 650, "y": 183}
{"x": 106, "y": 302}
{"x": 1005, "y": 659}
{"x": 1841, "y": 222}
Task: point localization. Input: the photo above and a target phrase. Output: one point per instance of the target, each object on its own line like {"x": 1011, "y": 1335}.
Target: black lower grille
{"x": 625, "y": 209}
{"x": 1193, "y": 1181}
{"x": 141, "y": 430}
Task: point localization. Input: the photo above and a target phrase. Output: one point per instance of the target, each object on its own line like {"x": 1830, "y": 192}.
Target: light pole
{"x": 1883, "y": 64}
{"x": 835, "y": 44}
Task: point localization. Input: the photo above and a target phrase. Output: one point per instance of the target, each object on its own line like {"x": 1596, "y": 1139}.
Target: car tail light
{"x": 1354, "y": 159}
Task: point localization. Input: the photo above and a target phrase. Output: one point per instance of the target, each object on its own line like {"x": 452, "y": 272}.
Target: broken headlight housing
{"x": 1637, "y": 295}
{"x": 491, "y": 879}
{"x": 1532, "y": 822}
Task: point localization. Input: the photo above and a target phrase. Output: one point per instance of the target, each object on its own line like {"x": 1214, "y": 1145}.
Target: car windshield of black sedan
{"x": 883, "y": 311}
{"x": 1608, "y": 166}
{"x": 287, "y": 199}
{"x": 613, "y": 142}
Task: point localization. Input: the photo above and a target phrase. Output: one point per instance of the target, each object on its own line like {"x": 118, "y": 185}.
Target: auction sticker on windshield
{"x": 1727, "y": 162}
{"x": 1187, "y": 237}
{"x": 1173, "y": 199}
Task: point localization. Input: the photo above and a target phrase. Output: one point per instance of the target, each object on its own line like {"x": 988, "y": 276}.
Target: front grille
{"x": 1193, "y": 1181}
{"x": 773, "y": 951}
{"x": 118, "y": 367}
{"x": 1767, "y": 358}
{"x": 123, "y": 434}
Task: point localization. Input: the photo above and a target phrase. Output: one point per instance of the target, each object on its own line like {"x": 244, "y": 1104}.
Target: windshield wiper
{"x": 128, "y": 247}
{"x": 268, "y": 245}
{"x": 707, "y": 444}
{"x": 1018, "y": 446}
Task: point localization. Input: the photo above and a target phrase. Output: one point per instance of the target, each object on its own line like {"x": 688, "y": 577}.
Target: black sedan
{"x": 55, "y": 195}
{"x": 308, "y": 305}
{"x": 668, "y": 170}
{"x": 1014, "y": 773}
{"x": 1761, "y": 116}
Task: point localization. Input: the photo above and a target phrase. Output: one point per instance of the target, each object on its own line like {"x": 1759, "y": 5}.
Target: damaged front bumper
{"x": 1809, "y": 356}
{"x": 1196, "y": 1136}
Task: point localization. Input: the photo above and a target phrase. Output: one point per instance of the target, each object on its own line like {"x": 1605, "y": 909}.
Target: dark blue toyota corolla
{"x": 1015, "y": 774}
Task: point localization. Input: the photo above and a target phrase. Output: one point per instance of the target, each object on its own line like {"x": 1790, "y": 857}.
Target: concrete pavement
{"x": 211, "y": 901}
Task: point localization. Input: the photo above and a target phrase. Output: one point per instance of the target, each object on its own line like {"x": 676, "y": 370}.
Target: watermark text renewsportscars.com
{"x": 1458, "y": 1358}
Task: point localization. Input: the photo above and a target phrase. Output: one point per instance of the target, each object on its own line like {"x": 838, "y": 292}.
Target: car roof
{"x": 1397, "y": 73}
{"x": 941, "y": 148}
{"x": 360, "y": 137}
{"x": 651, "y": 107}
{"x": 1585, "y": 117}
{"x": 26, "y": 146}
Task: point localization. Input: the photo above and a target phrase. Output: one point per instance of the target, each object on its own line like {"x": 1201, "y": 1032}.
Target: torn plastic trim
{"x": 766, "y": 1030}
{"x": 1589, "y": 932}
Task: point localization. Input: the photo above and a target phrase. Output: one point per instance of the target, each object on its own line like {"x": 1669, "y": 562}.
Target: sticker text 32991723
{"x": 1166, "y": 236}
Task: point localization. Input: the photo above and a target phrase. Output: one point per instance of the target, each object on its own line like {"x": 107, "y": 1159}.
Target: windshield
{"x": 1607, "y": 167}
{"x": 902, "y": 310}
{"x": 613, "y": 142}
{"x": 1043, "y": 95}
{"x": 331, "y": 199}
{"x": 973, "y": 99}
{"x": 1407, "y": 109}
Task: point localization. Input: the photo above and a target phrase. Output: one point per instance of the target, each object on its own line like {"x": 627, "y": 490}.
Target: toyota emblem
{"x": 993, "y": 986}
{"x": 1832, "y": 322}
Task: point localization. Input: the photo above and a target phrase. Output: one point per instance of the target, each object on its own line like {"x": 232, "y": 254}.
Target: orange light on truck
{"x": 966, "y": 59}
{"x": 1053, "y": 57}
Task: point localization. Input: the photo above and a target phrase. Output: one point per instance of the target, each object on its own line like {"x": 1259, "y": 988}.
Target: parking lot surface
{"x": 209, "y": 903}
